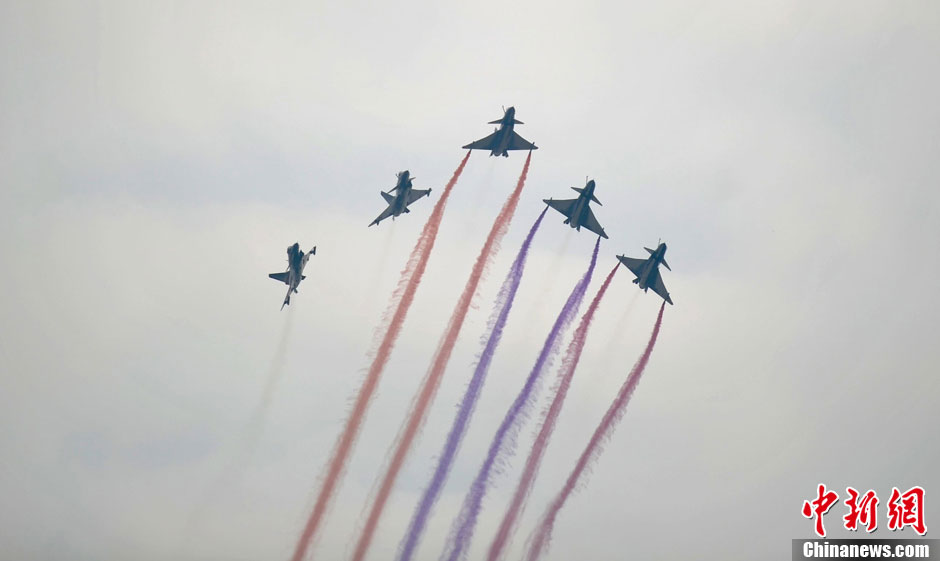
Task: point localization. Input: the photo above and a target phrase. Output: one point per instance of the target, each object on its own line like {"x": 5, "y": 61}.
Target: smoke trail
{"x": 259, "y": 416}
{"x": 504, "y": 441}
{"x": 558, "y": 256}
{"x": 459, "y": 427}
{"x": 615, "y": 342}
{"x": 401, "y": 301}
{"x": 250, "y": 435}
{"x": 543, "y": 533}
{"x": 568, "y": 366}
{"x": 441, "y": 357}
{"x": 550, "y": 281}
{"x": 377, "y": 274}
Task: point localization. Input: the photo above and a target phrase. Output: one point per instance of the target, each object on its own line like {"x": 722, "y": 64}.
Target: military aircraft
{"x": 578, "y": 210}
{"x": 503, "y": 138}
{"x": 647, "y": 270}
{"x": 296, "y": 261}
{"x": 398, "y": 204}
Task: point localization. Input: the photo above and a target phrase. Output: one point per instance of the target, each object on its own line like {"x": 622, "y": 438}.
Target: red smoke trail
{"x": 407, "y": 285}
{"x": 614, "y": 413}
{"x": 568, "y": 366}
{"x": 433, "y": 378}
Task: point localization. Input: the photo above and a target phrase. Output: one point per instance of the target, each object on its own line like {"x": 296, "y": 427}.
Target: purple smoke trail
{"x": 592, "y": 451}
{"x": 459, "y": 427}
{"x": 401, "y": 302}
{"x": 504, "y": 441}
{"x": 425, "y": 396}
{"x": 568, "y": 366}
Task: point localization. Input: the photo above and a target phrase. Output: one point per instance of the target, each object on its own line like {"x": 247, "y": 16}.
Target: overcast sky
{"x": 157, "y": 158}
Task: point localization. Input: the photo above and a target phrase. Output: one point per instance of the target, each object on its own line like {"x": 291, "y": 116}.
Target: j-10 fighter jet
{"x": 578, "y": 210}
{"x": 296, "y": 261}
{"x": 503, "y": 138}
{"x": 398, "y": 203}
{"x": 647, "y": 270}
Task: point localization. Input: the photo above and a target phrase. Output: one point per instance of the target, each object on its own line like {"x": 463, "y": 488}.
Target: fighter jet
{"x": 296, "y": 261}
{"x": 578, "y": 210}
{"x": 503, "y": 138}
{"x": 398, "y": 204}
{"x": 647, "y": 270}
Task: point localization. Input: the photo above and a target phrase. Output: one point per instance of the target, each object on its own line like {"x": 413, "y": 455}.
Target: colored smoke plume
{"x": 504, "y": 441}
{"x": 503, "y": 306}
{"x": 568, "y": 367}
{"x": 428, "y": 389}
{"x": 404, "y": 294}
{"x": 542, "y": 534}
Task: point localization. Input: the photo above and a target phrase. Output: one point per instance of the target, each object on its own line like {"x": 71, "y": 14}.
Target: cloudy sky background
{"x": 157, "y": 158}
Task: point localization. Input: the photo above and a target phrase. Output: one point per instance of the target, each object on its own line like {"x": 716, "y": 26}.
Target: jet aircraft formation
{"x": 577, "y": 213}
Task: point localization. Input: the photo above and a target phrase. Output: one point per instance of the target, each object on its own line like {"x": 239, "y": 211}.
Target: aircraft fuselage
{"x": 401, "y": 200}
{"x": 504, "y": 133}
{"x": 295, "y": 259}
{"x": 650, "y": 272}
{"x": 580, "y": 213}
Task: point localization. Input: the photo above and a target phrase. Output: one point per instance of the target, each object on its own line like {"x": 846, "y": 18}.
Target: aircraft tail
{"x": 593, "y": 198}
